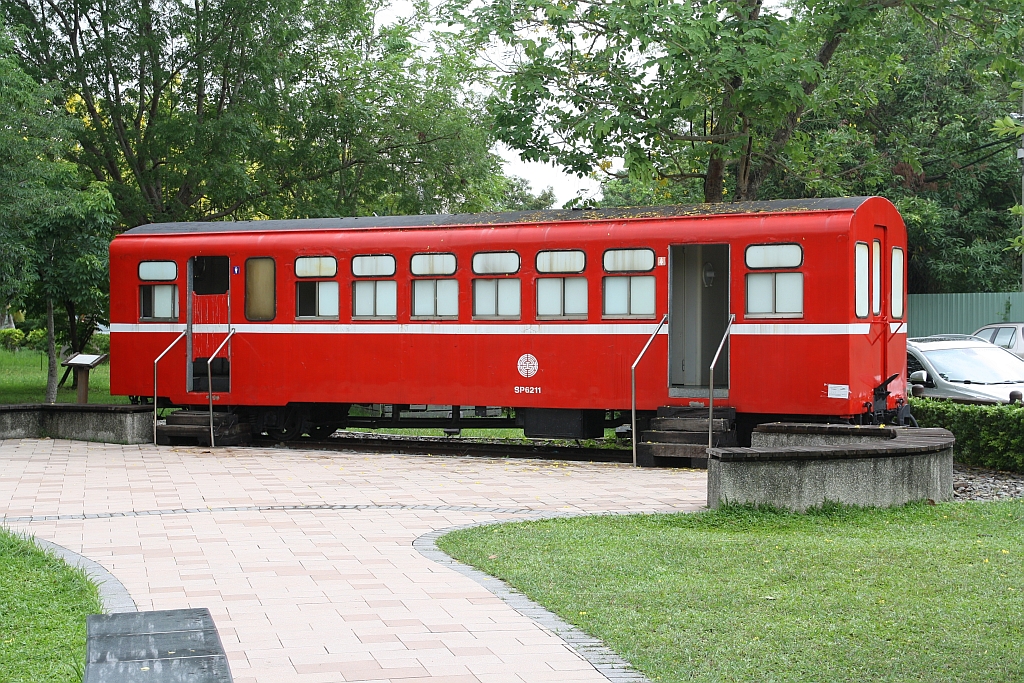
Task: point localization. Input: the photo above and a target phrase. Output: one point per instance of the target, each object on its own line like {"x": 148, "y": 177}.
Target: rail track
{"x": 459, "y": 446}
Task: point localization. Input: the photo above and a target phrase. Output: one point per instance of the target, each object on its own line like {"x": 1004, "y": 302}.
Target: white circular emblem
{"x": 527, "y": 365}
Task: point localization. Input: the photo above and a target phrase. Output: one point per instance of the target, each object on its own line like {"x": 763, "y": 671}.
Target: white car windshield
{"x": 977, "y": 365}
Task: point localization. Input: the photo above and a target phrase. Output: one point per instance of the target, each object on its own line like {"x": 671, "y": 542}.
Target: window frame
{"x": 629, "y": 297}
{"x": 774, "y": 314}
{"x": 435, "y": 315}
{"x": 563, "y": 315}
{"x": 497, "y": 298}
{"x": 316, "y": 302}
{"x": 245, "y": 288}
{"x": 375, "y": 316}
{"x": 175, "y": 304}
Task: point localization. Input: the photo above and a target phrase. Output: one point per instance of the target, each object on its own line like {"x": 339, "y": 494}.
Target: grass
{"x": 43, "y": 605}
{"x": 23, "y": 380}
{"x": 504, "y": 435}
{"x": 917, "y": 593}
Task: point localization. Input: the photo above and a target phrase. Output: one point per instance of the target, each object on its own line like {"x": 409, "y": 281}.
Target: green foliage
{"x": 43, "y": 605}
{"x": 11, "y": 339}
{"x": 36, "y": 340}
{"x": 258, "y": 109}
{"x": 742, "y": 594}
{"x": 23, "y": 380}
{"x": 99, "y": 343}
{"x": 986, "y": 435}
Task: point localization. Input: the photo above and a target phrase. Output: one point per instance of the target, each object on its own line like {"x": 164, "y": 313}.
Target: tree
{"x": 706, "y": 91}
{"x": 253, "y": 109}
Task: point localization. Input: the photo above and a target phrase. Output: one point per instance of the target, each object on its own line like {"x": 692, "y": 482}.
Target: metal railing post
{"x": 632, "y": 372}
{"x": 209, "y": 379}
{"x": 180, "y": 336}
{"x": 711, "y": 382}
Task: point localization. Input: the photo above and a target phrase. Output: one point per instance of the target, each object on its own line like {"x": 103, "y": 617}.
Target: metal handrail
{"x": 180, "y": 337}
{"x": 711, "y": 381}
{"x": 209, "y": 379}
{"x": 632, "y": 371}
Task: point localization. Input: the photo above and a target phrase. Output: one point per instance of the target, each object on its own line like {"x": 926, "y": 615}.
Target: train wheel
{"x": 290, "y": 428}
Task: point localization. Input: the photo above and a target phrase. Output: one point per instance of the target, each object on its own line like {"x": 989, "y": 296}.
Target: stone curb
{"x": 602, "y": 658}
{"x": 113, "y": 594}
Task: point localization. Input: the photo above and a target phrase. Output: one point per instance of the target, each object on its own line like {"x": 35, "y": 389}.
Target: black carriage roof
{"x": 503, "y": 218}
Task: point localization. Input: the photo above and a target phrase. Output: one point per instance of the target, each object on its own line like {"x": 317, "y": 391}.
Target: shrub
{"x": 36, "y": 340}
{"x": 98, "y": 343}
{"x": 986, "y": 435}
{"x": 11, "y": 338}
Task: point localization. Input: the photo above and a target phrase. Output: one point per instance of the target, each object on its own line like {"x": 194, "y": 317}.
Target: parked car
{"x": 1008, "y": 335}
{"x": 963, "y": 368}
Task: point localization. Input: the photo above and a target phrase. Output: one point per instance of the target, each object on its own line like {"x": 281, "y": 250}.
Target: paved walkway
{"x": 305, "y": 558}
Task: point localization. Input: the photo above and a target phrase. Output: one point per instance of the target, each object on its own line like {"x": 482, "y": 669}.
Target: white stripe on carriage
{"x": 496, "y": 329}
{"x": 898, "y": 328}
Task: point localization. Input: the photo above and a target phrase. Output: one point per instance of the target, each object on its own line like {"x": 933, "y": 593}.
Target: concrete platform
{"x": 306, "y": 559}
{"x": 798, "y": 466}
{"x": 125, "y": 424}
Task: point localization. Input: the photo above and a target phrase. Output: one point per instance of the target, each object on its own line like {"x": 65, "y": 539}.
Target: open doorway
{"x": 698, "y": 316}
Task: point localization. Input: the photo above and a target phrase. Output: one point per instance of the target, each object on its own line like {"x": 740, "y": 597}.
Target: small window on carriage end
{"x": 260, "y": 289}
{"x": 896, "y": 273}
{"x": 158, "y": 302}
{"x": 775, "y": 295}
{"x": 158, "y": 271}
{"x": 860, "y": 279}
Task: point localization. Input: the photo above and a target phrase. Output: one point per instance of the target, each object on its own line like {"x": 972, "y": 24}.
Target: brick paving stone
{"x": 306, "y": 558}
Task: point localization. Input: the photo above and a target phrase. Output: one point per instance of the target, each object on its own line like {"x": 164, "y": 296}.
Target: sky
{"x": 541, "y": 176}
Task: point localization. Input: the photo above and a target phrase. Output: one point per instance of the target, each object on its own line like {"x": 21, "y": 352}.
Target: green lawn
{"x": 43, "y": 605}
{"x": 918, "y": 593}
{"x": 23, "y": 380}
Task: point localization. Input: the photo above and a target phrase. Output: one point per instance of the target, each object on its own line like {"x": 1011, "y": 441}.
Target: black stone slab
{"x": 117, "y": 648}
{"x": 181, "y": 670}
{"x": 166, "y": 646}
{"x": 161, "y": 621}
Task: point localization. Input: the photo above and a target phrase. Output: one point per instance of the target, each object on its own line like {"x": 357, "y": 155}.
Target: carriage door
{"x": 208, "y": 323}
{"x": 698, "y": 315}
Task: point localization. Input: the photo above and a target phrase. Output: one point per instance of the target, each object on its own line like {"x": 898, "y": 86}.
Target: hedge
{"x": 986, "y": 435}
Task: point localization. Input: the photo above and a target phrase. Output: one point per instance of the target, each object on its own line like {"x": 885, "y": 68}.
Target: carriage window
{"x": 316, "y": 299}
{"x": 774, "y": 256}
{"x": 435, "y": 298}
{"x": 623, "y": 260}
{"x": 775, "y": 295}
{"x": 316, "y": 266}
{"x": 876, "y": 277}
{"x": 496, "y": 263}
{"x": 897, "y": 283}
{"x": 496, "y": 298}
{"x": 860, "y": 280}
{"x": 159, "y": 302}
{"x": 210, "y": 274}
{"x": 379, "y": 265}
{"x": 562, "y": 297}
{"x": 561, "y": 261}
{"x": 158, "y": 271}
{"x": 374, "y": 299}
{"x": 433, "y": 264}
{"x": 629, "y": 295}
{"x": 260, "y": 294}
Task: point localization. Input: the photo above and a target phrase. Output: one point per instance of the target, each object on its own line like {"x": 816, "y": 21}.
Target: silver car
{"x": 1007, "y": 335}
{"x": 963, "y": 368}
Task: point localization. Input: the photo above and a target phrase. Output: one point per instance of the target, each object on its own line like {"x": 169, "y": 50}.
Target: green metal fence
{"x": 961, "y": 313}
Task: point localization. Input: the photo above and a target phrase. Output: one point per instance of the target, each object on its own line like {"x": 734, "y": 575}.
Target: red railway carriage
{"x": 539, "y": 311}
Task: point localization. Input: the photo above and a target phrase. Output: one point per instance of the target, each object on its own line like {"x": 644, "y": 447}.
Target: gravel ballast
{"x": 974, "y": 483}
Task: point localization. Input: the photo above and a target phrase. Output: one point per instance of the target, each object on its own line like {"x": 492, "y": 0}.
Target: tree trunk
{"x": 714, "y": 183}
{"x": 69, "y": 306}
{"x": 51, "y": 373}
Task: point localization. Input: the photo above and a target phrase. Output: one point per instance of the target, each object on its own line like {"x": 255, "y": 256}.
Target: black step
{"x": 198, "y": 417}
{"x": 672, "y": 455}
{"x": 690, "y": 411}
{"x": 199, "y": 435}
{"x": 689, "y": 424}
{"x": 720, "y": 438}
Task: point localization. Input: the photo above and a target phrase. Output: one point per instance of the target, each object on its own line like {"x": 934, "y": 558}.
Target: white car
{"x": 964, "y": 368}
{"x": 1007, "y": 335}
